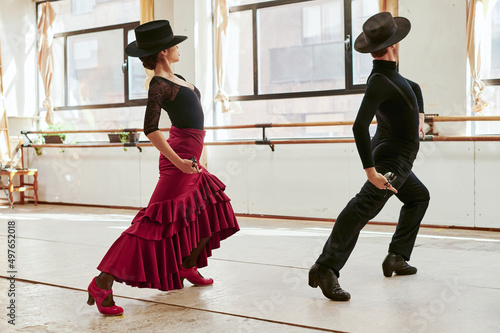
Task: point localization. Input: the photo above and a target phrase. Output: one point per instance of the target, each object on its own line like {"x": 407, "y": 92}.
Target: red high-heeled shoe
{"x": 193, "y": 276}
{"x": 97, "y": 295}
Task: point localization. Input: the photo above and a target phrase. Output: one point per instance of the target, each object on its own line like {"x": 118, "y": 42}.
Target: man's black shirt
{"x": 397, "y": 115}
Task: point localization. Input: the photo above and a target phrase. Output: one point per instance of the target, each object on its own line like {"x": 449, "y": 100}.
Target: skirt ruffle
{"x": 149, "y": 252}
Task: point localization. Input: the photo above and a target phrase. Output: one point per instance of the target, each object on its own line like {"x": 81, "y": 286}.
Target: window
{"x": 292, "y": 61}
{"x": 490, "y": 68}
{"x": 86, "y": 52}
{"x": 95, "y": 85}
{"x": 304, "y": 57}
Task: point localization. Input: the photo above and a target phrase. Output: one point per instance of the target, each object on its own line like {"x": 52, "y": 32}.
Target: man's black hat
{"x": 381, "y": 31}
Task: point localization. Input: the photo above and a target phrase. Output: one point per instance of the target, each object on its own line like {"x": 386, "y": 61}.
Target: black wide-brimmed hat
{"x": 381, "y": 31}
{"x": 152, "y": 37}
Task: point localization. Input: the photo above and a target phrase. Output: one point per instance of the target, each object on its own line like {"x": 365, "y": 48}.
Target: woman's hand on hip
{"x": 159, "y": 141}
{"x": 187, "y": 166}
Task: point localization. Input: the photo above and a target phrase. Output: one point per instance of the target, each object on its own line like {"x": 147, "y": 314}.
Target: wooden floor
{"x": 260, "y": 280}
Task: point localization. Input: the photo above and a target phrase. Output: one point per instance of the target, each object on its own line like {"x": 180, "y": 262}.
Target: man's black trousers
{"x": 368, "y": 203}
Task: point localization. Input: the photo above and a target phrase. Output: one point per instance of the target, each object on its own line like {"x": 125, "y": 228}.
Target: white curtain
{"x": 45, "y": 56}
{"x": 5, "y": 153}
{"x": 476, "y": 12}
{"x": 221, "y": 20}
{"x": 147, "y": 15}
{"x": 391, "y": 6}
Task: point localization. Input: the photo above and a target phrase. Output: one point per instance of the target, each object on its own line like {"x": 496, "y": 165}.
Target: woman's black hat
{"x": 381, "y": 31}
{"x": 151, "y": 38}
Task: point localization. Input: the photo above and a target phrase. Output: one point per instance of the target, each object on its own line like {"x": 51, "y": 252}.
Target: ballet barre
{"x": 429, "y": 119}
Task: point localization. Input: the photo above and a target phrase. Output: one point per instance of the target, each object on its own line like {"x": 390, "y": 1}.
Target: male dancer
{"x": 398, "y": 106}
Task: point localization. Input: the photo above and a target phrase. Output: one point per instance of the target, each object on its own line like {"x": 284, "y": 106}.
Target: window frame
{"x": 350, "y": 87}
{"x": 125, "y": 27}
{"x": 491, "y": 82}
{"x": 477, "y": 128}
{"x": 494, "y": 81}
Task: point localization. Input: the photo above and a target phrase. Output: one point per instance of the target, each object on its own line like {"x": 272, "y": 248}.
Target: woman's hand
{"x": 187, "y": 166}
{"x": 159, "y": 141}
{"x": 379, "y": 180}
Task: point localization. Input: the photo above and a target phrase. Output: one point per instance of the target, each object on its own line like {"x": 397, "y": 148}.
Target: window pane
{"x": 490, "y": 45}
{"x": 361, "y": 63}
{"x": 239, "y": 56}
{"x": 74, "y": 15}
{"x": 301, "y": 47}
{"x": 112, "y": 118}
{"x": 309, "y": 109}
{"x": 136, "y": 74}
{"x": 490, "y": 69}
{"x": 95, "y": 68}
{"x": 57, "y": 87}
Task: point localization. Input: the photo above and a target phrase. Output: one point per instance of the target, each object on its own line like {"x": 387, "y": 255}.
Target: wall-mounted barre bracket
{"x": 25, "y": 133}
{"x": 429, "y": 119}
{"x": 132, "y": 144}
{"x": 265, "y": 142}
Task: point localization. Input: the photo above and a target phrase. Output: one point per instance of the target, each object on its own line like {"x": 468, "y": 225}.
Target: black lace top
{"x": 181, "y": 103}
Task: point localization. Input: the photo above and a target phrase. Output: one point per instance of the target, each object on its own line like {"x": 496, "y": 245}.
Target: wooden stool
{"x": 23, "y": 187}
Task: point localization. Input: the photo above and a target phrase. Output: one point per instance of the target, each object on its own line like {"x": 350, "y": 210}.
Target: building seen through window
{"x": 293, "y": 61}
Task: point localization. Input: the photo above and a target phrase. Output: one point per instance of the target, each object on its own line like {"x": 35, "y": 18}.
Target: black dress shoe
{"x": 396, "y": 263}
{"x": 324, "y": 277}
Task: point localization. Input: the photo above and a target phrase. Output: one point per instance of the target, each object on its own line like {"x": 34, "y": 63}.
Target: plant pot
{"x": 130, "y": 137}
{"x": 53, "y": 139}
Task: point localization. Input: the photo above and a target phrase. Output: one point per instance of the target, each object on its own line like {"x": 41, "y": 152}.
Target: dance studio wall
{"x": 313, "y": 181}
{"x": 318, "y": 181}
{"x": 434, "y": 55}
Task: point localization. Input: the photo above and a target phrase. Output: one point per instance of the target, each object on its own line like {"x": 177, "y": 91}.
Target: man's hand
{"x": 421, "y": 122}
{"x": 379, "y": 180}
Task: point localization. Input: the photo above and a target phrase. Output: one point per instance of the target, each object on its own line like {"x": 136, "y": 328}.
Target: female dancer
{"x": 188, "y": 214}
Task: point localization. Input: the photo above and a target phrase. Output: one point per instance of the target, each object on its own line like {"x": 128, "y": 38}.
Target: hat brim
{"x": 133, "y": 50}
{"x": 404, "y": 27}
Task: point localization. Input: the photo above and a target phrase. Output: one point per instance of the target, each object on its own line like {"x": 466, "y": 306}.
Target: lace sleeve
{"x": 159, "y": 92}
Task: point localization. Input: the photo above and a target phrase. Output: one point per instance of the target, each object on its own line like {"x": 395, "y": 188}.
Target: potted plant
{"x": 59, "y": 138}
{"x": 37, "y": 141}
{"x": 123, "y": 137}
{"x": 54, "y": 138}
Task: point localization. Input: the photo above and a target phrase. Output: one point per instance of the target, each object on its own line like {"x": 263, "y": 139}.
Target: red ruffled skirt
{"x": 183, "y": 209}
